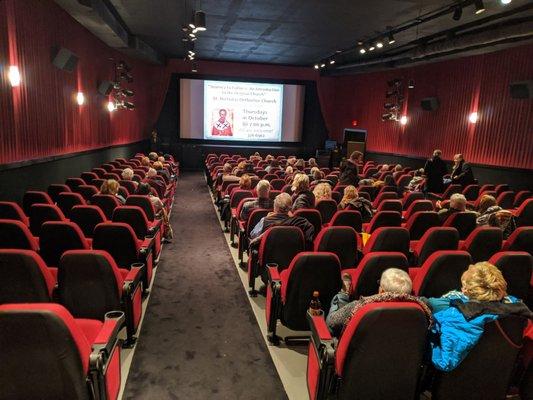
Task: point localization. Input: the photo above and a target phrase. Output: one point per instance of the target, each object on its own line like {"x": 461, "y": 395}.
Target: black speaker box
{"x": 65, "y": 60}
{"x": 521, "y": 90}
{"x": 429, "y": 104}
{"x": 105, "y": 88}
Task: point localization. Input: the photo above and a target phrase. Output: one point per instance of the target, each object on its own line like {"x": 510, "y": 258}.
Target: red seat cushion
{"x": 90, "y": 327}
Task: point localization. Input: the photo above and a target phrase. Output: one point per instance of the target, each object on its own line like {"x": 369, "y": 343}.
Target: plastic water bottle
{"x": 315, "y": 308}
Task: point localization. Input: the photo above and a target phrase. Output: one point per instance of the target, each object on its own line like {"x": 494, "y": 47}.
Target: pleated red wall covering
{"x": 41, "y": 118}
{"x": 503, "y": 135}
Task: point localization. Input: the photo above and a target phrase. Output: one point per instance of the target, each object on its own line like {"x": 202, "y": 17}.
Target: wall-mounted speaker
{"x": 105, "y": 88}
{"x": 65, "y": 60}
{"x": 521, "y": 90}
{"x": 429, "y": 104}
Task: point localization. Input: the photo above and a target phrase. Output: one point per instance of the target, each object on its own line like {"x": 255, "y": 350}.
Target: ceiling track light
{"x": 332, "y": 61}
{"x": 371, "y": 48}
{"x": 379, "y": 44}
{"x": 479, "y": 6}
{"x": 391, "y": 38}
{"x": 505, "y": 2}
{"x": 362, "y": 50}
{"x": 317, "y": 66}
{"x": 457, "y": 13}
{"x": 322, "y": 65}
{"x": 199, "y": 21}
{"x": 411, "y": 84}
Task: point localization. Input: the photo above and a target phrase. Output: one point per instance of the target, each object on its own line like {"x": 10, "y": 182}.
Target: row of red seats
{"x": 98, "y": 282}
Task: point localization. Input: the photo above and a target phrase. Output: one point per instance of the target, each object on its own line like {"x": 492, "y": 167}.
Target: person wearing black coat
{"x": 350, "y": 171}
{"x": 435, "y": 169}
{"x": 462, "y": 171}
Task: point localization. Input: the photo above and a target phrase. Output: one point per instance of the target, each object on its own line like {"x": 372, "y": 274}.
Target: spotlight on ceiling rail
{"x": 362, "y": 50}
{"x": 199, "y": 21}
{"x": 457, "y": 13}
{"x": 479, "y": 6}
{"x": 391, "y": 38}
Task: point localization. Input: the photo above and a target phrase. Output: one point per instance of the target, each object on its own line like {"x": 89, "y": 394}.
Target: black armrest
{"x": 321, "y": 338}
{"x": 108, "y": 336}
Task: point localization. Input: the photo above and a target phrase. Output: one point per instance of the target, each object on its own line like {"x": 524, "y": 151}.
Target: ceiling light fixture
{"x": 411, "y": 84}
{"x": 391, "y": 38}
{"x": 199, "y": 21}
{"x": 473, "y": 117}
{"x": 403, "y": 120}
{"x": 332, "y": 61}
{"x": 457, "y": 13}
{"x": 194, "y": 67}
{"x": 110, "y": 106}
{"x": 505, "y": 2}
{"x": 317, "y": 66}
{"x": 379, "y": 44}
{"x": 362, "y": 50}
{"x": 479, "y": 6}
{"x": 322, "y": 65}
{"x": 371, "y": 48}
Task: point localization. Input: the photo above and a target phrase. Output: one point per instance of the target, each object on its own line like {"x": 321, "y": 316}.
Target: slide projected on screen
{"x": 242, "y": 111}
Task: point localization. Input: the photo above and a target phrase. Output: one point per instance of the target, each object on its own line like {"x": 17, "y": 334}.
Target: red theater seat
{"x": 524, "y": 214}
{"x": 327, "y": 209}
{"x": 464, "y": 222}
{"x": 107, "y": 204}
{"x": 290, "y": 291}
{"x": 119, "y": 240}
{"x": 245, "y": 227}
{"x": 520, "y": 240}
{"x": 420, "y": 222}
{"x": 354, "y": 369}
{"x": 388, "y": 239}
{"x": 32, "y": 197}
{"x": 486, "y": 371}
{"x": 410, "y": 198}
{"x": 278, "y": 245}
{"x": 482, "y": 243}
{"x": 41, "y": 213}
{"x": 313, "y": 216}
{"x": 383, "y": 219}
{"x": 87, "y": 217}
{"x": 72, "y": 359}
{"x": 349, "y": 218}
{"x": 521, "y": 197}
{"x": 91, "y": 285}
{"x": 73, "y": 183}
{"x": 435, "y": 239}
{"x": 517, "y": 269}
{"x": 145, "y": 230}
{"x": 67, "y": 200}
{"x": 365, "y": 278}
{"x": 11, "y": 210}
{"x": 342, "y": 241}
{"x": 58, "y": 237}
{"x": 16, "y": 235}
{"x": 440, "y": 273}
{"x": 25, "y": 277}
{"x": 86, "y": 191}
{"x": 417, "y": 205}
{"x": 54, "y": 189}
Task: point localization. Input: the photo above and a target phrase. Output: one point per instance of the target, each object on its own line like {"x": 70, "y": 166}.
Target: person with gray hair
{"x": 281, "y": 216}
{"x": 263, "y": 200}
{"x": 457, "y": 204}
{"x": 395, "y": 285}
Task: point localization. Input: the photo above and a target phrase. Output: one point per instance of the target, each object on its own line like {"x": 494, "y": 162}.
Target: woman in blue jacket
{"x": 460, "y": 316}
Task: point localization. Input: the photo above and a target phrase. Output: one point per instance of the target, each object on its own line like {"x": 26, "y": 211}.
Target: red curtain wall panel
{"x": 502, "y": 136}
{"x": 41, "y": 118}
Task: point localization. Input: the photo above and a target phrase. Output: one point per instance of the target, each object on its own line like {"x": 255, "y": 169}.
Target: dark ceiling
{"x": 295, "y": 32}
{"x": 306, "y": 32}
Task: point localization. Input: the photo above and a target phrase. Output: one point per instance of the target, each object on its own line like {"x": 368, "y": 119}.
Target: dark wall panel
{"x": 14, "y": 182}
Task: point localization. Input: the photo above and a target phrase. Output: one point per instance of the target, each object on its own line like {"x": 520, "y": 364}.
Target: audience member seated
{"x": 152, "y": 156}
{"x": 127, "y": 175}
{"x": 462, "y": 171}
{"x": 281, "y": 217}
{"x": 457, "y": 204}
{"x": 145, "y": 162}
{"x": 491, "y": 214}
{"x": 161, "y": 170}
{"x": 460, "y": 316}
{"x": 274, "y": 166}
{"x": 312, "y": 163}
{"x": 263, "y": 200}
{"x": 158, "y": 185}
{"x": 350, "y": 170}
{"x": 322, "y": 191}
{"x": 300, "y": 164}
{"x": 144, "y": 189}
{"x": 255, "y": 156}
{"x": 415, "y": 184}
{"x": 302, "y": 197}
{"x": 435, "y": 169}
{"x": 245, "y": 183}
{"x": 352, "y": 201}
{"x": 394, "y": 285}
{"x": 384, "y": 168}
{"x": 111, "y": 186}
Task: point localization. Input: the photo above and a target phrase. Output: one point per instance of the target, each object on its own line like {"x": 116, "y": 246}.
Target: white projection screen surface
{"x": 241, "y": 111}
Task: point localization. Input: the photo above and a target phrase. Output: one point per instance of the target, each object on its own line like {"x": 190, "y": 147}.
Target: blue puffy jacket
{"x": 452, "y": 335}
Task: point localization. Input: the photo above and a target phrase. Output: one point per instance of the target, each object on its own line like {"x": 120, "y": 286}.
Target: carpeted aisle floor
{"x": 199, "y": 339}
